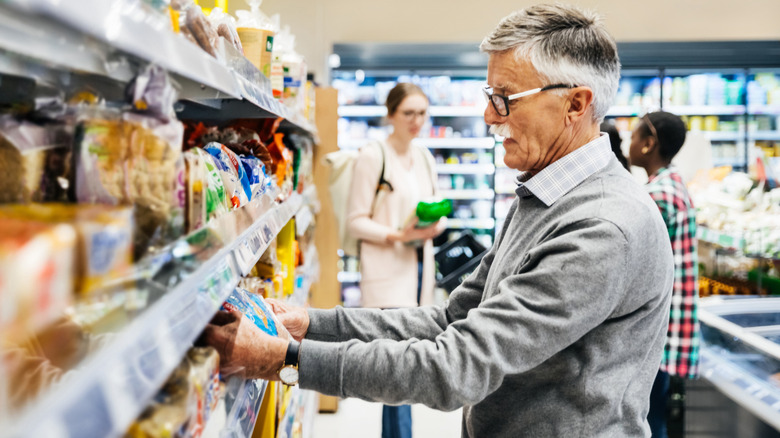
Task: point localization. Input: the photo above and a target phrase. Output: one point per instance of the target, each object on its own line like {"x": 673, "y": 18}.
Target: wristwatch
{"x": 288, "y": 373}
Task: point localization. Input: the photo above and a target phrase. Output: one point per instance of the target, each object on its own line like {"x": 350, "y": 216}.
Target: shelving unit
{"x": 105, "y": 44}
{"x": 466, "y": 169}
{"x": 113, "y": 386}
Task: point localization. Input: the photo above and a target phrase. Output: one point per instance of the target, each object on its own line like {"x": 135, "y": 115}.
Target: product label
{"x": 269, "y": 43}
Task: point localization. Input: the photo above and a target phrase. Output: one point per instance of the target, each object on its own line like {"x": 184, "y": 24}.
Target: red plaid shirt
{"x": 681, "y": 352}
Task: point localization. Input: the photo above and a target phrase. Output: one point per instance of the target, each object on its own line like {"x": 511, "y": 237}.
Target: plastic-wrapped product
{"x": 226, "y": 28}
{"x": 196, "y": 174}
{"x": 253, "y": 307}
{"x": 217, "y": 202}
{"x": 36, "y": 274}
{"x": 204, "y": 380}
{"x": 152, "y": 92}
{"x": 100, "y": 156}
{"x": 105, "y": 236}
{"x": 155, "y": 179}
{"x": 35, "y": 160}
{"x": 255, "y": 171}
{"x": 201, "y": 29}
{"x": 232, "y": 173}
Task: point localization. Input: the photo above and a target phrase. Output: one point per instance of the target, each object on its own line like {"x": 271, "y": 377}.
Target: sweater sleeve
{"x": 427, "y": 322}
{"x": 556, "y": 295}
{"x": 365, "y": 178}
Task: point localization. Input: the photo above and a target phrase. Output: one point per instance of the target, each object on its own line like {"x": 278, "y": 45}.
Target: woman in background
{"x": 655, "y": 141}
{"x": 396, "y": 258}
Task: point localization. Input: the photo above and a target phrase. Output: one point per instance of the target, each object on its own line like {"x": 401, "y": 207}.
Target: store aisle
{"x": 359, "y": 419}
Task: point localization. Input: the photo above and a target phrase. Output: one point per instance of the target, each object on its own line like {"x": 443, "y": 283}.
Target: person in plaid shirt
{"x": 655, "y": 141}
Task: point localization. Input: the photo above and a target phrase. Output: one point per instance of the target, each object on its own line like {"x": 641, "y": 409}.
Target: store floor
{"x": 359, "y": 419}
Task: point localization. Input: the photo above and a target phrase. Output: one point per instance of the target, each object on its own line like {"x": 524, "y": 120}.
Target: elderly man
{"x": 560, "y": 330}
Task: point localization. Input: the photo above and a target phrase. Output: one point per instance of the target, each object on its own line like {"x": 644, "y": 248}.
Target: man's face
{"x": 534, "y": 122}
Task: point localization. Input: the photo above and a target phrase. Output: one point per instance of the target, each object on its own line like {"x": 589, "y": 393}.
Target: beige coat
{"x": 389, "y": 271}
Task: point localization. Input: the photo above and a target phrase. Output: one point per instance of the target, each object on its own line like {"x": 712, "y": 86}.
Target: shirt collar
{"x": 560, "y": 177}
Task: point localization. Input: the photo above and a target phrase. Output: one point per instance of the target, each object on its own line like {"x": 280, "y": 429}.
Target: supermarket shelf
{"x": 466, "y": 169}
{"x": 624, "y": 111}
{"x": 477, "y": 224}
{"x": 305, "y": 277}
{"x": 724, "y": 135}
{"x": 764, "y": 135}
{"x": 434, "y": 111}
{"x": 719, "y": 238}
{"x": 362, "y": 111}
{"x": 348, "y": 277}
{"x": 244, "y": 398}
{"x": 115, "y": 384}
{"x": 457, "y": 143}
{"x": 706, "y": 110}
{"x": 430, "y": 143}
{"x": 457, "y": 111}
{"x": 732, "y": 161}
{"x": 468, "y": 194}
{"x": 764, "y": 109}
{"x": 94, "y": 37}
{"x": 506, "y": 190}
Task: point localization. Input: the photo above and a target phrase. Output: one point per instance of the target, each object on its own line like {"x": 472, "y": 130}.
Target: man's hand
{"x": 295, "y": 319}
{"x": 244, "y": 350}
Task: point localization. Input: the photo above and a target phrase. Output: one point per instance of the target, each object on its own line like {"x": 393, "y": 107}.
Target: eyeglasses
{"x": 410, "y": 115}
{"x": 501, "y": 103}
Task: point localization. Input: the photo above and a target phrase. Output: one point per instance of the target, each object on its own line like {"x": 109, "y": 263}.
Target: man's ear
{"x": 580, "y": 99}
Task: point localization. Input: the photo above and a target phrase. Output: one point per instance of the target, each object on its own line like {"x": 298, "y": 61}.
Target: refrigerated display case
{"x": 740, "y": 361}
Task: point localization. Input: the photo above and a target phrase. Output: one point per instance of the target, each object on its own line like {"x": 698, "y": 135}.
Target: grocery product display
{"x": 128, "y": 217}
{"x": 740, "y": 358}
{"x": 738, "y": 232}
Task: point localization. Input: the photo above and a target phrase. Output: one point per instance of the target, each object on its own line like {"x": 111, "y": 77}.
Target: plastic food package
{"x": 133, "y": 159}
{"x": 217, "y": 202}
{"x": 253, "y": 307}
{"x": 101, "y": 153}
{"x": 196, "y": 174}
{"x": 255, "y": 171}
{"x": 201, "y": 29}
{"x": 155, "y": 180}
{"x": 35, "y": 160}
{"x": 226, "y": 27}
{"x": 104, "y": 238}
{"x": 232, "y": 173}
{"x": 36, "y": 274}
{"x": 186, "y": 400}
{"x": 204, "y": 381}
{"x": 152, "y": 92}
{"x": 257, "y": 32}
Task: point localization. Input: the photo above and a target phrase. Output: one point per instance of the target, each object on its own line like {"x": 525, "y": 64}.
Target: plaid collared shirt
{"x": 560, "y": 177}
{"x": 681, "y": 352}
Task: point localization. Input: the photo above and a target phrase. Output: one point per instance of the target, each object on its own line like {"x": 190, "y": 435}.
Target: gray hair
{"x": 565, "y": 45}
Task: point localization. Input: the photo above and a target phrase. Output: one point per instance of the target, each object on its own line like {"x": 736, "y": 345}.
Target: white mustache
{"x": 501, "y": 130}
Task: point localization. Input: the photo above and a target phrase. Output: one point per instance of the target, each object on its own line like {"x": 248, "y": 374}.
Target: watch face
{"x": 289, "y": 375}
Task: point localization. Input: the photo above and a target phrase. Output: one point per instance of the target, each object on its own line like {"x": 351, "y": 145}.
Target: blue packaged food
{"x": 253, "y": 307}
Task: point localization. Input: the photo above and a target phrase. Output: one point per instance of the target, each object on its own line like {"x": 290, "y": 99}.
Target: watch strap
{"x": 293, "y": 348}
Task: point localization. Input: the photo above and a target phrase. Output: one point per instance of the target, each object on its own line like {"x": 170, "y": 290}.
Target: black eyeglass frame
{"x": 491, "y": 96}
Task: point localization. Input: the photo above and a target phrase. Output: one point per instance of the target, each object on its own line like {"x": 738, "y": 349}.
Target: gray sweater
{"x": 558, "y": 332}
